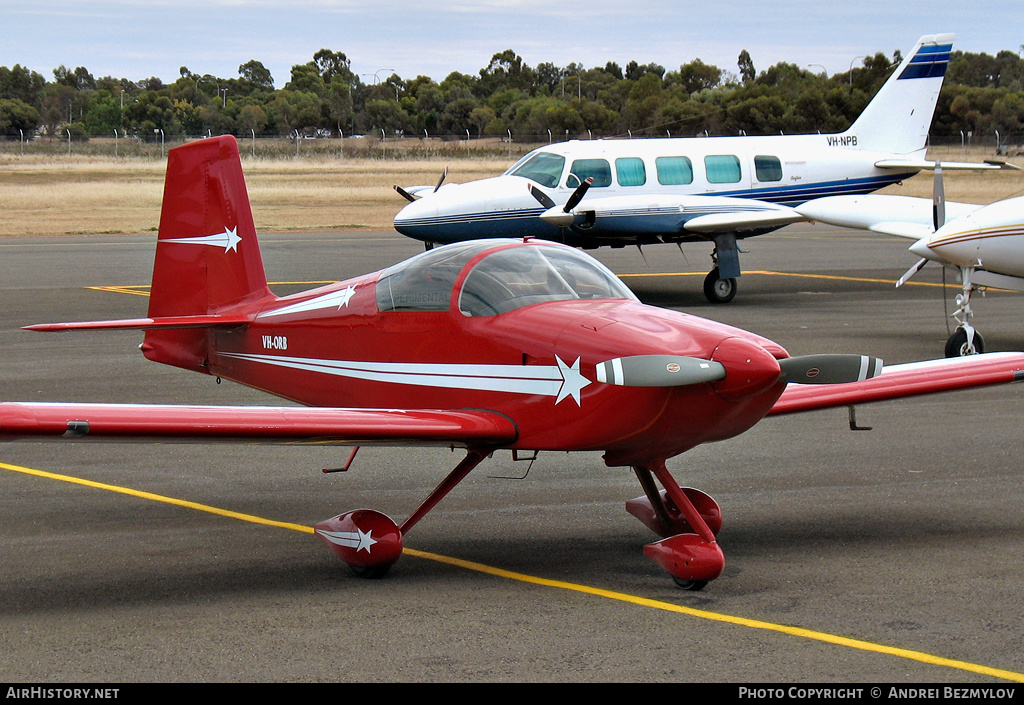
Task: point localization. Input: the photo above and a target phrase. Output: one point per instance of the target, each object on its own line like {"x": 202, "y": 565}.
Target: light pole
{"x": 579, "y": 86}
{"x": 851, "y": 67}
{"x": 376, "y": 78}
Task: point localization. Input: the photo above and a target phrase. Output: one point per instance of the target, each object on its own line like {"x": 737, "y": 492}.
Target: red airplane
{"x": 482, "y": 345}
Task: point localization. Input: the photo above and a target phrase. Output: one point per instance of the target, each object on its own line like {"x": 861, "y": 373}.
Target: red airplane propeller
{"x": 482, "y": 345}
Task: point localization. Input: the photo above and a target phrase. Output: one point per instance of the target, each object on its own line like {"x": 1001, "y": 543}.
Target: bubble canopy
{"x": 509, "y": 275}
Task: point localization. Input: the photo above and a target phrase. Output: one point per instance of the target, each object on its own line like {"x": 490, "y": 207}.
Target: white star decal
{"x": 345, "y": 295}
{"x": 359, "y": 540}
{"x": 228, "y": 239}
{"x": 365, "y": 540}
{"x": 572, "y": 381}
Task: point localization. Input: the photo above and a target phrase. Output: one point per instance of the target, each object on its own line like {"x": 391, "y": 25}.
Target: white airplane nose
{"x": 425, "y": 207}
{"x": 922, "y": 248}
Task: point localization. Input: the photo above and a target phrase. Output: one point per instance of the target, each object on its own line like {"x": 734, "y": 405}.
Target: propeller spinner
{"x": 561, "y": 217}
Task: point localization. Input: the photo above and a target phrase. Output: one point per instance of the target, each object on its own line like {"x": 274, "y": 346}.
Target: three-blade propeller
{"x": 938, "y": 220}
{"x": 561, "y": 217}
{"x": 412, "y": 197}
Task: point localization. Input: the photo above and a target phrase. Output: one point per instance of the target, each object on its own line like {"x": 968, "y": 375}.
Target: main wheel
{"x": 957, "y": 346}
{"x": 719, "y": 291}
{"x": 693, "y": 585}
{"x": 375, "y": 572}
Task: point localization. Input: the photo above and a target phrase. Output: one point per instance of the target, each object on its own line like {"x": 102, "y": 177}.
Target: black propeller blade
{"x": 659, "y": 371}
{"x": 574, "y": 199}
{"x": 542, "y": 198}
{"x": 409, "y": 197}
{"x": 578, "y": 194}
{"x": 829, "y": 369}
{"x": 938, "y": 199}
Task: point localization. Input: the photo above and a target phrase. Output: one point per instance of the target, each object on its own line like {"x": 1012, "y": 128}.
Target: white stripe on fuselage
{"x": 335, "y": 300}
{"x": 557, "y": 381}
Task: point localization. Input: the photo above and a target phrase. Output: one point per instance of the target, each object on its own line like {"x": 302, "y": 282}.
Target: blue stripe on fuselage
{"x": 526, "y": 222}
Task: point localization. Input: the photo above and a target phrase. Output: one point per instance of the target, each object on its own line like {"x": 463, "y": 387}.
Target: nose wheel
{"x": 689, "y": 520}
{"x": 965, "y": 341}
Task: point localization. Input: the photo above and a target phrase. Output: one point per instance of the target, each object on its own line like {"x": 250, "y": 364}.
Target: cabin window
{"x": 597, "y": 169}
{"x": 768, "y": 168}
{"x": 722, "y": 169}
{"x": 423, "y": 282}
{"x": 630, "y": 171}
{"x": 543, "y": 167}
{"x": 674, "y": 171}
{"x": 520, "y": 276}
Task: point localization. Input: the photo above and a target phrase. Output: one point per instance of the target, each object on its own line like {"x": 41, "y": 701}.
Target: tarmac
{"x": 890, "y": 555}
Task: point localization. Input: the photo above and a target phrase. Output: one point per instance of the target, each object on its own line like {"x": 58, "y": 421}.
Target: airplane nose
{"x": 749, "y": 369}
{"x": 921, "y": 249}
{"x": 414, "y": 212}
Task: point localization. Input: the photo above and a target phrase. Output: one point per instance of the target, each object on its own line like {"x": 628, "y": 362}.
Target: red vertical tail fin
{"x": 207, "y": 258}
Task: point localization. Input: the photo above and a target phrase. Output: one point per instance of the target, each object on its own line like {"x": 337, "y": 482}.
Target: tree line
{"x": 982, "y": 95}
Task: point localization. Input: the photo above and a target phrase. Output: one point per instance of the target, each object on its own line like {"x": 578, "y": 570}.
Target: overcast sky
{"x": 136, "y": 39}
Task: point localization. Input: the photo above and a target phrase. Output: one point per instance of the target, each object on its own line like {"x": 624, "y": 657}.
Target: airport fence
{"x": 395, "y": 147}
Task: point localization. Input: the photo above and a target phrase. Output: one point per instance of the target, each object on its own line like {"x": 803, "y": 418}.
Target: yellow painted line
{"x": 143, "y": 289}
{"x": 574, "y": 587}
{"x": 136, "y": 289}
{"x": 767, "y": 273}
{"x": 730, "y": 619}
{"x": 157, "y": 498}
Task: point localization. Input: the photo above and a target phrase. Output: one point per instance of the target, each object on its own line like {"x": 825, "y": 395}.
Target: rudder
{"x": 207, "y": 256}
{"x": 899, "y": 116}
{"x": 207, "y": 260}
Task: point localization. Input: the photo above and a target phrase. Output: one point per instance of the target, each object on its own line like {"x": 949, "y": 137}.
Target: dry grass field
{"x": 51, "y": 195}
{"x": 82, "y": 195}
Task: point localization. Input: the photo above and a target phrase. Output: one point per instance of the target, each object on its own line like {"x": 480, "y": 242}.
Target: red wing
{"x": 476, "y": 428}
{"x": 912, "y": 379}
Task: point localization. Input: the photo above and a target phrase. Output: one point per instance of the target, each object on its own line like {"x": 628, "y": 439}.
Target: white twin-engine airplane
{"x": 985, "y": 244}
{"x": 714, "y": 189}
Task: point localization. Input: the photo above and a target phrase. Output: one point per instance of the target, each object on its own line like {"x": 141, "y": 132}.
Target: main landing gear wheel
{"x": 957, "y": 345}
{"x": 368, "y": 541}
{"x": 719, "y": 291}
{"x": 375, "y": 572}
{"x": 693, "y": 585}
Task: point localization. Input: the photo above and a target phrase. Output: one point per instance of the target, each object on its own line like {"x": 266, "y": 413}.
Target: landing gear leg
{"x": 965, "y": 340}
{"x": 371, "y": 542}
{"x": 720, "y": 284}
{"x": 692, "y": 557}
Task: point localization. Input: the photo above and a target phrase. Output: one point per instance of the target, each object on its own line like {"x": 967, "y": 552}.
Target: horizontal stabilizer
{"x": 163, "y": 323}
{"x": 927, "y": 165}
